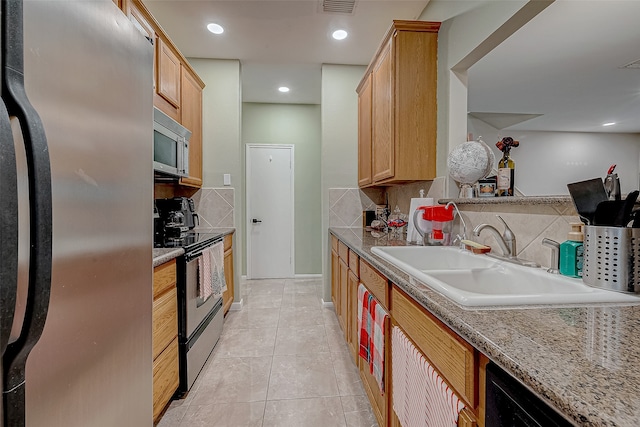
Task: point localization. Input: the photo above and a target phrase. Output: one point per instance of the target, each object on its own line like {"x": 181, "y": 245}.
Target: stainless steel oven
{"x": 202, "y": 324}
{"x": 199, "y": 321}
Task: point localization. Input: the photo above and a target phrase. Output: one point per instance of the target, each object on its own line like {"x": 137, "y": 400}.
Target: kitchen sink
{"x": 477, "y": 280}
{"x": 423, "y": 258}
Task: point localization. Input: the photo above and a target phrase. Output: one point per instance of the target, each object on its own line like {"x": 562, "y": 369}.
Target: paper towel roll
{"x": 412, "y": 234}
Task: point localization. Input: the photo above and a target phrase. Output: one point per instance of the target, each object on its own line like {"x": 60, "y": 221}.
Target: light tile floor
{"x": 281, "y": 361}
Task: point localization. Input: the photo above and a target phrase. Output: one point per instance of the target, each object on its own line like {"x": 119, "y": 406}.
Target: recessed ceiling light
{"x": 340, "y": 34}
{"x": 215, "y": 28}
{"x": 609, "y": 124}
{"x": 283, "y": 89}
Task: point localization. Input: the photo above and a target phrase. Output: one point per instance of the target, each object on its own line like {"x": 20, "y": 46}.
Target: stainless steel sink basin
{"x": 477, "y": 280}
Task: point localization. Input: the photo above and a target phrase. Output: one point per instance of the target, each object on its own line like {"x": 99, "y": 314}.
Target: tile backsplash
{"x": 529, "y": 222}
{"x": 215, "y": 206}
{"x": 346, "y": 205}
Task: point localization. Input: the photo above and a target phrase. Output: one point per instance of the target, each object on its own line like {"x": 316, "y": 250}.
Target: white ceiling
{"x": 565, "y": 65}
{"x": 280, "y": 42}
{"x": 560, "y": 72}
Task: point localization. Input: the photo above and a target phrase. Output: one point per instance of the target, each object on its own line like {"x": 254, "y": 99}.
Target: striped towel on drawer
{"x": 371, "y": 320}
{"x": 421, "y": 398}
{"x": 377, "y": 348}
{"x": 364, "y": 324}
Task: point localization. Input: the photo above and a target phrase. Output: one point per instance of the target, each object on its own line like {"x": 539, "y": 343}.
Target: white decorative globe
{"x": 470, "y": 161}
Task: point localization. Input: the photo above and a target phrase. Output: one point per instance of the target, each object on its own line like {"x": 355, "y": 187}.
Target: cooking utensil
{"x": 615, "y": 213}
{"x": 624, "y": 216}
{"x": 607, "y": 212}
{"x": 586, "y": 196}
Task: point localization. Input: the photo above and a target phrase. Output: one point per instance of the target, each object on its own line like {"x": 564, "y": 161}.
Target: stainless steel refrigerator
{"x": 76, "y": 177}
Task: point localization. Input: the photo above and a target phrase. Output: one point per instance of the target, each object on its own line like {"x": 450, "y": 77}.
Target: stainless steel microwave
{"x": 170, "y": 146}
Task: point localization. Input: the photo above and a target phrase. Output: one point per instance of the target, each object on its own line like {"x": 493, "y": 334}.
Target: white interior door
{"x": 269, "y": 211}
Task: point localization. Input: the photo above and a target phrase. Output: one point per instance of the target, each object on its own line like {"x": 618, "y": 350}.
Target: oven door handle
{"x": 191, "y": 256}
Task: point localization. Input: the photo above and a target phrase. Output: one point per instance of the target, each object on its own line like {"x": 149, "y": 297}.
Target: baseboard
{"x": 327, "y": 304}
{"x": 307, "y": 276}
{"x": 237, "y": 306}
{"x": 295, "y": 276}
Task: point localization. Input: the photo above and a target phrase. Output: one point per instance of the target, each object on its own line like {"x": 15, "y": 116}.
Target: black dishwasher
{"x": 510, "y": 404}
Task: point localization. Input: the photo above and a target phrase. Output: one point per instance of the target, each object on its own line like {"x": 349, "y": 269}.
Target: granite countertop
{"x": 580, "y": 358}
{"x": 162, "y": 255}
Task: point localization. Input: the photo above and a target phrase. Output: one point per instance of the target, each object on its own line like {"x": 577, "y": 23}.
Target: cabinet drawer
{"x": 343, "y": 251}
{"x": 165, "y": 321}
{"x": 228, "y": 242}
{"x": 165, "y": 378}
{"x": 354, "y": 263}
{"x": 164, "y": 277}
{"x": 375, "y": 283}
{"x": 449, "y": 354}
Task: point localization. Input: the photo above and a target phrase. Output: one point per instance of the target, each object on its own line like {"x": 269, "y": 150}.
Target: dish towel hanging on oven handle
{"x": 211, "y": 279}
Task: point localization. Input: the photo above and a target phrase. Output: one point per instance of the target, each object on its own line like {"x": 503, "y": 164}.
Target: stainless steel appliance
{"x": 509, "y": 403}
{"x": 75, "y": 229}
{"x": 170, "y": 145}
{"x": 199, "y": 321}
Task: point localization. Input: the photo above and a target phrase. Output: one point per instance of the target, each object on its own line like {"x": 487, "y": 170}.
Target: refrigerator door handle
{"x": 8, "y": 229}
{"x": 40, "y": 216}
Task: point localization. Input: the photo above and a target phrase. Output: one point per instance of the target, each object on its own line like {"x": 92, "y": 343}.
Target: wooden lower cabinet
{"x": 379, "y": 400}
{"x": 457, "y": 362}
{"x": 229, "y": 294}
{"x": 352, "y": 285}
{"x": 343, "y": 304}
{"x": 165, "y": 378}
{"x": 165, "y": 336}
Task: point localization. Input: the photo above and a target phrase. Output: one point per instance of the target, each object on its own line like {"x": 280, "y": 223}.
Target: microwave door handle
{"x": 185, "y": 156}
{"x": 40, "y": 216}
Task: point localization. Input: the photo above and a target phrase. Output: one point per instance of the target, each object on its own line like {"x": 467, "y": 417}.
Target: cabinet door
{"x": 335, "y": 279}
{"x": 378, "y": 400}
{"x": 352, "y": 314}
{"x": 228, "y": 295}
{"x": 364, "y": 133}
{"x": 142, "y": 24}
{"x": 168, "y": 86}
{"x": 342, "y": 296}
{"x": 191, "y": 111}
{"x": 165, "y": 378}
{"x": 383, "y": 146}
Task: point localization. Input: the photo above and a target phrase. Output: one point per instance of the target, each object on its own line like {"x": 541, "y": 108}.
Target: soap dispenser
{"x": 571, "y": 252}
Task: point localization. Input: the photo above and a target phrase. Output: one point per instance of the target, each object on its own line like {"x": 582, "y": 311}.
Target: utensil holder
{"x": 612, "y": 258}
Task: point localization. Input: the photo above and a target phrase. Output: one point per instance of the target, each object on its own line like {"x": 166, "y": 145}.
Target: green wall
{"x": 339, "y": 143}
{"x": 298, "y": 125}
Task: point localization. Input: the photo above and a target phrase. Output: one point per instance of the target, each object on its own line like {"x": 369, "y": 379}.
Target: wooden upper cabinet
{"x": 403, "y": 116}
{"x": 139, "y": 16}
{"x": 364, "y": 132}
{"x": 382, "y": 147}
{"x": 191, "y": 112}
{"x": 168, "y": 79}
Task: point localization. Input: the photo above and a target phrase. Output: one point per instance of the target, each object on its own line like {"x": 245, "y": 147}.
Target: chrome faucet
{"x": 464, "y": 226}
{"x": 555, "y": 255}
{"x": 506, "y": 240}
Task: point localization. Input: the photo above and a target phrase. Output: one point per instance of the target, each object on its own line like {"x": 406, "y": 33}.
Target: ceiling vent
{"x": 338, "y": 6}
{"x": 632, "y": 65}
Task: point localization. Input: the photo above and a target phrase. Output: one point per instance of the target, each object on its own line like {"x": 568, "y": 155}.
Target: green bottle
{"x": 571, "y": 252}
{"x": 506, "y": 174}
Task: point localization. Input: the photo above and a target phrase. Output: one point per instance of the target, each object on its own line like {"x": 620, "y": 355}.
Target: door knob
{"x": 255, "y": 221}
